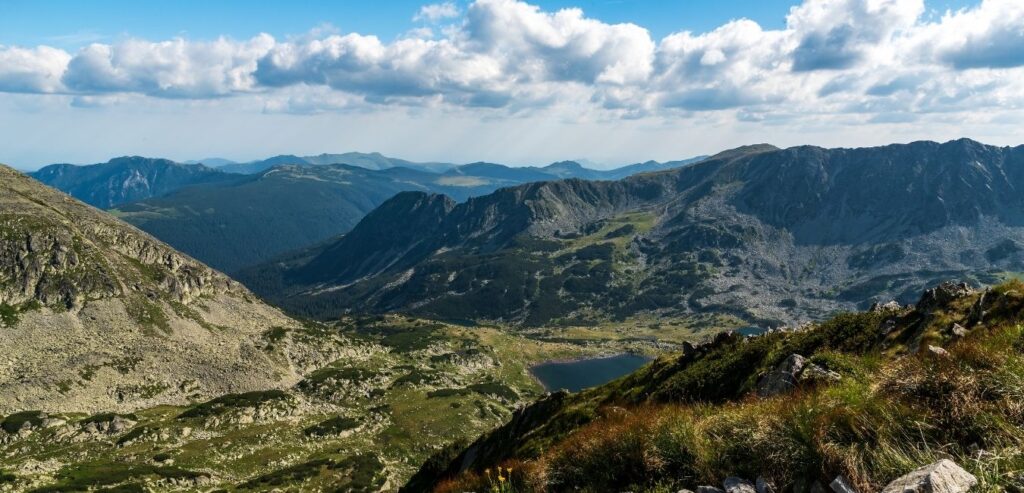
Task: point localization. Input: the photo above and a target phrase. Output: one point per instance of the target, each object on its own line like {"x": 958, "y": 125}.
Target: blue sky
{"x": 520, "y": 82}
{"x": 69, "y": 23}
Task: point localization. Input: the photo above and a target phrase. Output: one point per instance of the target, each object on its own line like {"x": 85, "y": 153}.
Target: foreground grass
{"x": 690, "y": 421}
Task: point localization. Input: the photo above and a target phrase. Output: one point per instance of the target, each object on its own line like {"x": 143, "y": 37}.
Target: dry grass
{"x": 889, "y": 415}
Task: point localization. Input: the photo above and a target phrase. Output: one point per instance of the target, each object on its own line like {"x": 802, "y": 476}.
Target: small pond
{"x": 578, "y": 375}
{"x": 751, "y": 331}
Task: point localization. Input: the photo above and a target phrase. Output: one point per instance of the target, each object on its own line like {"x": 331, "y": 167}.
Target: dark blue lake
{"x": 751, "y": 331}
{"x": 577, "y": 375}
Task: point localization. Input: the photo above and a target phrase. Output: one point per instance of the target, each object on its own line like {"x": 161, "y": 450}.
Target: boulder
{"x": 783, "y": 378}
{"x": 938, "y": 352}
{"x": 889, "y": 306}
{"x": 944, "y": 476}
{"x": 813, "y": 373}
{"x": 733, "y": 484}
{"x": 958, "y": 330}
{"x": 941, "y": 295}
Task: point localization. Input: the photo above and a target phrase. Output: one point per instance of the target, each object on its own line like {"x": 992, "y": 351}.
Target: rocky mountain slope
{"x": 363, "y": 423}
{"x": 97, "y": 315}
{"x": 247, "y": 221}
{"x": 770, "y": 235}
{"x": 883, "y": 398}
{"x": 244, "y": 222}
{"x": 126, "y": 179}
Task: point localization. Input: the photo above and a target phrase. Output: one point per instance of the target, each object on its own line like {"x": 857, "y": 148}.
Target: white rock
{"x": 944, "y": 476}
{"x": 738, "y": 485}
{"x": 841, "y": 485}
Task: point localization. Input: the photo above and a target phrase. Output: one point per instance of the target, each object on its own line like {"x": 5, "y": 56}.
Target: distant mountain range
{"x": 232, "y": 220}
{"x": 770, "y": 235}
{"x": 126, "y": 179}
{"x": 372, "y": 161}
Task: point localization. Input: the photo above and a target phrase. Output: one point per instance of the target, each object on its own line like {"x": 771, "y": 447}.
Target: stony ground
{"x": 366, "y": 421}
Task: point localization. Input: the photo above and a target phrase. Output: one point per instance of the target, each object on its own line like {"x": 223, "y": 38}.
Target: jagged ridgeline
{"x": 772, "y": 236}
{"x": 99, "y": 315}
{"x": 858, "y": 400}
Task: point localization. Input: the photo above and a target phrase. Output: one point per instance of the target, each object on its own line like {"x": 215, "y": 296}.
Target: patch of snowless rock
{"x": 944, "y": 476}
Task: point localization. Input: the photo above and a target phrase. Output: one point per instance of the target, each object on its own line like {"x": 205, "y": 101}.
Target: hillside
{"x": 244, "y": 222}
{"x": 854, "y": 226}
{"x": 362, "y": 423}
{"x": 97, "y": 315}
{"x": 126, "y": 179}
{"x": 252, "y": 219}
{"x": 865, "y": 397}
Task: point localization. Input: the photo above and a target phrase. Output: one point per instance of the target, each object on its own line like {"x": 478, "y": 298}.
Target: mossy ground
{"x": 427, "y": 384}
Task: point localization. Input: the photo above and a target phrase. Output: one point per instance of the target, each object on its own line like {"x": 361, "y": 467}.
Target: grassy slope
{"x": 691, "y": 420}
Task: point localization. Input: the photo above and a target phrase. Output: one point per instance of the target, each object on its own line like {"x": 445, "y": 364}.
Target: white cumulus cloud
{"x": 852, "y": 60}
{"x": 436, "y": 12}
{"x": 36, "y": 70}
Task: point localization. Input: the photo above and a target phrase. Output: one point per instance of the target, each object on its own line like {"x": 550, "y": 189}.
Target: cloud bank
{"x": 877, "y": 60}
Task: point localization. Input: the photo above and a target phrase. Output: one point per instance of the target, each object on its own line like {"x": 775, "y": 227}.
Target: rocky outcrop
{"x": 941, "y": 295}
{"x": 783, "y": 378}
{"x": 944, "y": 476}
{"x": 99, "y": 316}
{"x": 793, "y": 371}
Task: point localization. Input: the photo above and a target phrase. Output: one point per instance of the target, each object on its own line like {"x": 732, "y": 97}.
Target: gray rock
{"x": 958, "y": 330}
{"x": 709, "y": 489}
{"x": 941, "y": 295}
{"x": 783, "y": 378}
{"x": 841, "y": 485}
{"x": 889, "y": 306}
{"x": 733, "y": 484}
{"x": 813, "y": 373}
{"x": 887, "y": 326}
{"x": 762, "y": 485}
{"x": 978, "y": 311}
{"x": 938, "y": 352}
{"x": 944, "y": 476}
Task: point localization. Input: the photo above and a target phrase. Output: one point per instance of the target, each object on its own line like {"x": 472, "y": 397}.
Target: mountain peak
{"x": 744, "y": 151}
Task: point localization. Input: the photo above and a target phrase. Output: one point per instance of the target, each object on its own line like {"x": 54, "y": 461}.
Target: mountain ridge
{"x": 98, "y": 315}
{"x": 126, "y": 179}
{"x": 718, "y": 230}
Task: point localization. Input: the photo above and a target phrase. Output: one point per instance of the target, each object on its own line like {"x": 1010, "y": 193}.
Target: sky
{"x": 609, "y": 81}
